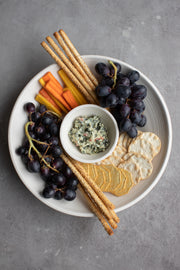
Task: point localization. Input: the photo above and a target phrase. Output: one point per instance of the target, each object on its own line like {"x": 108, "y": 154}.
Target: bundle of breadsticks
{"x": 79, "y": 73}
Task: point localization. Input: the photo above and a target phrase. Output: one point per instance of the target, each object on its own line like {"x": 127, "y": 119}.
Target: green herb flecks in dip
{"x": 89, "y": 134}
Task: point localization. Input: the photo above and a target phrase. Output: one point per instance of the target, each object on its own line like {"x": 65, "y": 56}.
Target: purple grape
{"x": 20, "y": 150}
{"x": 137, "y": 104}
{"x": 47, "y": 119}
{"x": 124, "y": 110}
{"x": 67, "y": 172}
{"x": 40, "y": 130}
{"x": 111, "y": 100}
{"x": 102, "y": 69}
{"x": 139, "y": 91}
{"x": 122, "y": 91}
{"x": 35, "y": 116}
{"x": 59, "y": 179}
{"x": 132, "y": 132}
{"x": 124, "y": 81}
{"x": 133, "y": 76}
{"x": 58, "y": 195}
{"x": 42, "y": 108}
{"x": 57, "y": 163}
{"x": 53, "y": 140}
{"x": 143, "y": 121}
{"x": 29, "y": 107}
{"x": 125, "y": 125}
{"x": 120, "y": 76}
{"x": 69, "y": 195}
{"x": 53, "y": 129}
{"x": 55, "y": 150}
{"x": 135, "y": 117}
{"x": 45, "y": 172}
{"x": 49, "y": 183}
{"x": 103, "y": 91}
{"x": 48, "y": 192}
{"x": 33, "y": 166}
{"x": 72, "y": 183}
{"x": 107, "y": 81}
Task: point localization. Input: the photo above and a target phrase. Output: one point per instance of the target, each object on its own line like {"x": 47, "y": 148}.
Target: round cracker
{"x": 144, "y": 164}
{"x": 153, "y": 139}
{"x": 142, "y": 147}
{"x": 133, "y": 168}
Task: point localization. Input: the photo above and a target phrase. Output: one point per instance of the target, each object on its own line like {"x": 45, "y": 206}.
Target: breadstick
{"x": 115, "y": 217}
{"x": 85, "y": 185}
{"x": 78, "y": 57}
{"x": 68, "y": 72}
{"x": 73, "y": 60}
{"x": 68, "y": 63}
{"x": 96, "y": 212}
{"x": 93, "y": 184}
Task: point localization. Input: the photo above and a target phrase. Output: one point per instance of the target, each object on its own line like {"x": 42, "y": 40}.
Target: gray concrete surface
{"x": 143, "y": 33}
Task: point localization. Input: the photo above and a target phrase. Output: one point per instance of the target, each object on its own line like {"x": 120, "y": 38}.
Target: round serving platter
{"x": 158, "y": 121}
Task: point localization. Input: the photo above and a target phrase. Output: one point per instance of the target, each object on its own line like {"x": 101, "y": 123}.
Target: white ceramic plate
{"x": 158, "y": 121}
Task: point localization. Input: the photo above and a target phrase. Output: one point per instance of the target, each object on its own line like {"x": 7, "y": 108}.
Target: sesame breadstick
{"x": 68, "y": 72}
{"x": 78, "y": 57}
{"x": 73, "y": 60}
{"x": 96, "y": 212}
{"x": 68, "y": 63}
{"x": 85, "y": 185}
{"x": 114, "y": 216}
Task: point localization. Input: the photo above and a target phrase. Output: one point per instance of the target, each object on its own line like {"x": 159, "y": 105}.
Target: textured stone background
{"x": 143, "y": 33}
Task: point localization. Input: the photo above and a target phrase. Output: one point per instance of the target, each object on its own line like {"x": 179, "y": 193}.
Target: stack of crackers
{"x": 130, "y": 163}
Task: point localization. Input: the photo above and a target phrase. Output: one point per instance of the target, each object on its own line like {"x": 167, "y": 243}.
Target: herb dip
{"x": 89, "y": 134}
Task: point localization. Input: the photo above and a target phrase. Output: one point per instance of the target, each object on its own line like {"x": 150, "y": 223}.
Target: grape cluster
{"x": 40, "y": 152}
{"x": 121, "y": 93}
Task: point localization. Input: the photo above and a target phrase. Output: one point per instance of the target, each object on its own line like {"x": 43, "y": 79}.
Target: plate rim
{"x": 165, "y": 162}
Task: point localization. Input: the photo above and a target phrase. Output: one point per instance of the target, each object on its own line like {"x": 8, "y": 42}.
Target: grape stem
{"x": 32, "y": 146}
{"x": 115, "y": 72}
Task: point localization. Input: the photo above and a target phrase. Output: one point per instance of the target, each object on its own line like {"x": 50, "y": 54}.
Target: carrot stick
{"x": 42, "y": 100}
{"x": 49, "y": 77}
{"x": 68, "y": 96}
{"x": 49, "y": 86}
{"x": 45, "y": 94}
{"x": 74, "y": 95}
{"x": 53, "y": 84}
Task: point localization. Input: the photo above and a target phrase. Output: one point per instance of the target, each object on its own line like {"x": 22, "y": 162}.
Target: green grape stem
{"x": 32, "y": 146}
{"x": 115, "y": 72}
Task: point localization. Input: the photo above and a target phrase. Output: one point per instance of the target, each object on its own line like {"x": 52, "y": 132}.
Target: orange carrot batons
{"x": 49, "y": 76}
{"x": 68, "y": 96}
{"x": 50, "y": 88}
